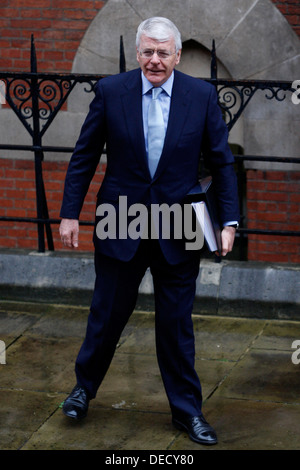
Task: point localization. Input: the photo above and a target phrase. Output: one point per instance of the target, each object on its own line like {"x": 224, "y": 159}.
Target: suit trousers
{"x": 114, "y": 299}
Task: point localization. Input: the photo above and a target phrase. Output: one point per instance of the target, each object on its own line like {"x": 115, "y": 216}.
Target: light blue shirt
{"x": 164, "y": 100}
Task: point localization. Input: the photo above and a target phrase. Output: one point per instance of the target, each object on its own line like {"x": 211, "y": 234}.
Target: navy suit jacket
{"x": 115, "y": 119}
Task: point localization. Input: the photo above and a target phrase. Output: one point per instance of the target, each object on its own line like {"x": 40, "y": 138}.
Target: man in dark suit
{"x": 149, "y": 169}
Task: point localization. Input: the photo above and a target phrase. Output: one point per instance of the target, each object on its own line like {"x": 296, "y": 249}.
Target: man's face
{"x": 157, "y": 70}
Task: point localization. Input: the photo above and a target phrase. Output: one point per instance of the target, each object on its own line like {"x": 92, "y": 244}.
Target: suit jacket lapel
{"x": 132, "y": 108}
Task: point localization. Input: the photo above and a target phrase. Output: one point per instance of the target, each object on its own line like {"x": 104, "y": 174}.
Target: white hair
{"x": 159, "y": 28}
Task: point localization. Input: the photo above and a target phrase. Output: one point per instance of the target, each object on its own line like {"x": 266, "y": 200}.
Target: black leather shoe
{"x": 197, "y": 428}
{"x": 77, "y": 403}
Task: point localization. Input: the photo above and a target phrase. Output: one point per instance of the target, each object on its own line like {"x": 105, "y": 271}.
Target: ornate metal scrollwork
{"x": 19, "y": 98}
{"x": 275, "y": 93}
{"x": 233, "y": 100}
{"x": 234, "y": 96}
{"x": 92, "y": 83}
{"x": 51, "y": 93}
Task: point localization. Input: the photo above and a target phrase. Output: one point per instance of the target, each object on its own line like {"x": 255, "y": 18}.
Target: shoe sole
{"x": 182, "y": 427}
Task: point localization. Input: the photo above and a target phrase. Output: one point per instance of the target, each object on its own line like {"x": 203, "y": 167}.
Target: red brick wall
{"x": 18, "y": 199}
{"x": 273, "y": 203}
{"x": 291, "y": 10}
{"x": 58, "y": 27}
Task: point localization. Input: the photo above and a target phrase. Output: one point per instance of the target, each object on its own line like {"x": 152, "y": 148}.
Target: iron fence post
{"x": 41, "y": 201}
{"x": 122, "y": 60}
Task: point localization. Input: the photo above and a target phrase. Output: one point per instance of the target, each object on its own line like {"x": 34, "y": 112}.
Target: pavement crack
{"x": 235, "y": 363}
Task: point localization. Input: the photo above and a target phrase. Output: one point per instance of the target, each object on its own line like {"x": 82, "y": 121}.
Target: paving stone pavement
{"x": 250, "y": 383}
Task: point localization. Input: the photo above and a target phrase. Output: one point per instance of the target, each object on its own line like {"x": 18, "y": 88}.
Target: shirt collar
{"x": 167, "y": 86}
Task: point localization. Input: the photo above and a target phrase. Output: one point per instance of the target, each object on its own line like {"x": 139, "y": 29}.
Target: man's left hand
{"x": 227, "y": 236}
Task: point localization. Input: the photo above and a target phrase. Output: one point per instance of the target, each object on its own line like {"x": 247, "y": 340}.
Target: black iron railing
{"x": 36, "y": 98}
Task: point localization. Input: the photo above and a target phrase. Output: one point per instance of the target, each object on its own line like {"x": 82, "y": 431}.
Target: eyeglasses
{"x": 148, "y": 53}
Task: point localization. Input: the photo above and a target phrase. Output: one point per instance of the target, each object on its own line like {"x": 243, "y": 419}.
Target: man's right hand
{"x": 69, "y": 231}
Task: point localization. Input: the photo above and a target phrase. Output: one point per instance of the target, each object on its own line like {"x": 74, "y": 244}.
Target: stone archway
{"x": 253, "y": 41}
{"x": 252, "y": 37}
